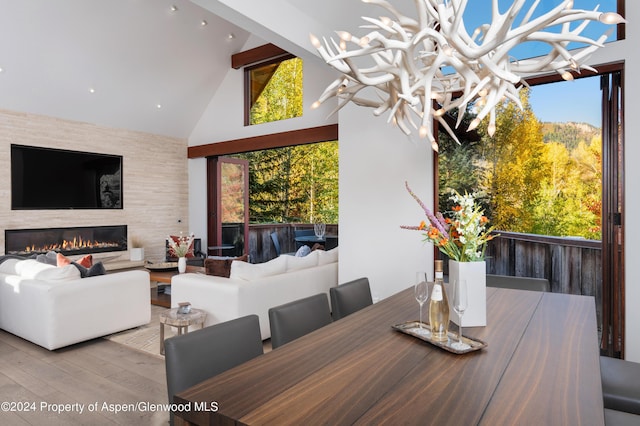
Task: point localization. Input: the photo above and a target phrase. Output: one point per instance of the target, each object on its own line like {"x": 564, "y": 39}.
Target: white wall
{"x": 629, "y": 51}
{"x": 375, "y": 161}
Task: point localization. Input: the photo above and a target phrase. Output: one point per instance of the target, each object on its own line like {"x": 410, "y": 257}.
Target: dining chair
{"x": 194, "y": 357}
{"x": 620, "y": 384}
{"x": 350, "y": 297}
{"x": 620, "y": 418}
{"x": 518, "y": 283}
{"x": 295, "y": 319}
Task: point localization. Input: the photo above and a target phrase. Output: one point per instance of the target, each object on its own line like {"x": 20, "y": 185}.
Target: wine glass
{"x": 421, "y": 292}
{"x": 318, "y": 230}
{"x": 459, "y": 303}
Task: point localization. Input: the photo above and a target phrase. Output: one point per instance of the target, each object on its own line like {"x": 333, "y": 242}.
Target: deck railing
{"x": 261, "y": 248}
{"x": 572, "y": 265}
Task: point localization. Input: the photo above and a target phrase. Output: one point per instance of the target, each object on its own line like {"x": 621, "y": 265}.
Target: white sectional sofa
{"x": 254, "y": 288}
{"x": 53, "y": 307}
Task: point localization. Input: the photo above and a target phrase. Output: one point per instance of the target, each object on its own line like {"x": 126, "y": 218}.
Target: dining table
{"x": 540, "y": 366}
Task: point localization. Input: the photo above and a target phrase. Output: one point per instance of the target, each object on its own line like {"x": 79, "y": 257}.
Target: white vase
{"x": 136, "y": 254}
{"x": 476, "y": 275}
{"x": 182, "y": 265}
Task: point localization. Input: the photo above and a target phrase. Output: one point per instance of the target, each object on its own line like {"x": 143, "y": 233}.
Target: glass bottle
{"x": 439, "y": 307}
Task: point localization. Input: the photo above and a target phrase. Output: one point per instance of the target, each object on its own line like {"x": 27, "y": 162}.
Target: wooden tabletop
{"x": 541, "y": 366}
{"x": 165, "y": 276}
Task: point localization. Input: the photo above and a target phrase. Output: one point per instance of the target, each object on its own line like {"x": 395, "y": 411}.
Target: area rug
{"x": 145, "y": 338}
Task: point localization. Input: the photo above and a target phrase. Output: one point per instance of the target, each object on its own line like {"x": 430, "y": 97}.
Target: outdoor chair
{"x": 297, "y": 318}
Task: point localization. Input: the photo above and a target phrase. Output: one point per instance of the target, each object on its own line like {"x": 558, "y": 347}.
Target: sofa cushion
{"x": 249, "y": 271}
{"x": 32, "y": 269}
{"x": 8, "y": 266}
{"x": 221, "y": 266}
{"x": 295, "y": 263}
{"x": 326, "y": 257}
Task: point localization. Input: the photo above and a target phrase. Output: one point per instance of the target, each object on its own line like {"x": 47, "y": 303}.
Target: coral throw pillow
{"x": 86, "y": 261}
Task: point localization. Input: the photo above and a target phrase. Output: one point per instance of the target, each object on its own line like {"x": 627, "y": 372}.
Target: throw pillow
{"x": 93, "y": 271}
{"x": 51, "y": 258}
{"x": 221, "y": 266}
{"x": 85, "y": 261}
{"x": 303, "y": 251}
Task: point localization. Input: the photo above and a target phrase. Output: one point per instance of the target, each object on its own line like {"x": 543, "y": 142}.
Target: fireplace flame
{"x": 77, "y": 243}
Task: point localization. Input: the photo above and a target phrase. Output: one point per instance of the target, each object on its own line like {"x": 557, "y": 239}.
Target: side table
{"x": 180, "y": 321}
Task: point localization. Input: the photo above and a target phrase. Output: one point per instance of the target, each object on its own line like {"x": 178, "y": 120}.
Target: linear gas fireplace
{"x": 68, "y": 241}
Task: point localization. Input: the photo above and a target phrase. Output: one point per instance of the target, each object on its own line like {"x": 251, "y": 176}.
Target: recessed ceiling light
{"x": 1, "y": 69}
{"x": 174, "y": 8}
{"x": 92, "y": 90}
{"x": 231, "y": 36}
{"x": 203, "y": 23}
{"x": 158, "y": 106}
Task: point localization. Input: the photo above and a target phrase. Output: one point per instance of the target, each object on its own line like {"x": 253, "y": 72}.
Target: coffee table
{"x": 180, "y": 321}
{"x": 164, "y": 277}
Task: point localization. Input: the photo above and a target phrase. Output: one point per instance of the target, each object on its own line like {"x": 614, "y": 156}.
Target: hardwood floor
{"x": 98, "y": 371}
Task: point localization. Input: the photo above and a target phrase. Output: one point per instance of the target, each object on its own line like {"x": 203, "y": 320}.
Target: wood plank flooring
{"x": 97, "y": 371}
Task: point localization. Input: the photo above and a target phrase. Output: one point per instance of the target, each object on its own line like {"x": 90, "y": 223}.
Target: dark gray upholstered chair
{"x": 620, "y": 384}
{"x": 297, "y": 318}
{"x": 620, "y": 418}
{"x": 350, "y": 297}
{"x": 194, "y": 357}
{"x": 518, "y": 283}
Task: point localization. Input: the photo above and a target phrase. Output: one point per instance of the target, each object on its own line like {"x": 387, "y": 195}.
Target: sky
{"x": 549, "y": 100}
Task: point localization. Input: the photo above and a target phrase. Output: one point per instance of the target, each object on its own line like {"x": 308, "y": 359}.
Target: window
{"x": 273, "y": 90}
{"x": 294, "y": 184}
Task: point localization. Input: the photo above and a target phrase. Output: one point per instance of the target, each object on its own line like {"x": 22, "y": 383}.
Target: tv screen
{"x": 47, "y": 178}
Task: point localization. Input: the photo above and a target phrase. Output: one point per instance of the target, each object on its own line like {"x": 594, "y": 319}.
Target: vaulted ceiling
{"x": 145, "y": 65}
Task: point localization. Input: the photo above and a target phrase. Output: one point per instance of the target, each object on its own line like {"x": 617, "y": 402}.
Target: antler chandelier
{"x": 425, "y": 67}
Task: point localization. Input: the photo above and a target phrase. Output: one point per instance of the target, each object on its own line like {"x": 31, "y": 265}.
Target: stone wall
{"x": 155, "y": 179}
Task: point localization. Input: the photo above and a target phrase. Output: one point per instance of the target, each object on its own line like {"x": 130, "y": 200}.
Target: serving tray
{"x": 412, "y": 328}
{"x": 162, "y": 266}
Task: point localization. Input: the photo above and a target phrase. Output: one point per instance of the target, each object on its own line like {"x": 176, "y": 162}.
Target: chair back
{"x": 194, "y": 357}
{"x": 297, "y": 318}
{"x": 276, "y": 242}
{"x": 518, "y": 283}
{"x": 350, "y": 297}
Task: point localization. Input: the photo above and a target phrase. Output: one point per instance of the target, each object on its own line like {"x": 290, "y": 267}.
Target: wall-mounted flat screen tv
{"x": 47, "y": 178}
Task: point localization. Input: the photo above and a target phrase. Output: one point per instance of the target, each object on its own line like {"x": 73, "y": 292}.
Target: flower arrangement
{"x": 180, "y": 244}
{"x": 463, "y": 236}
